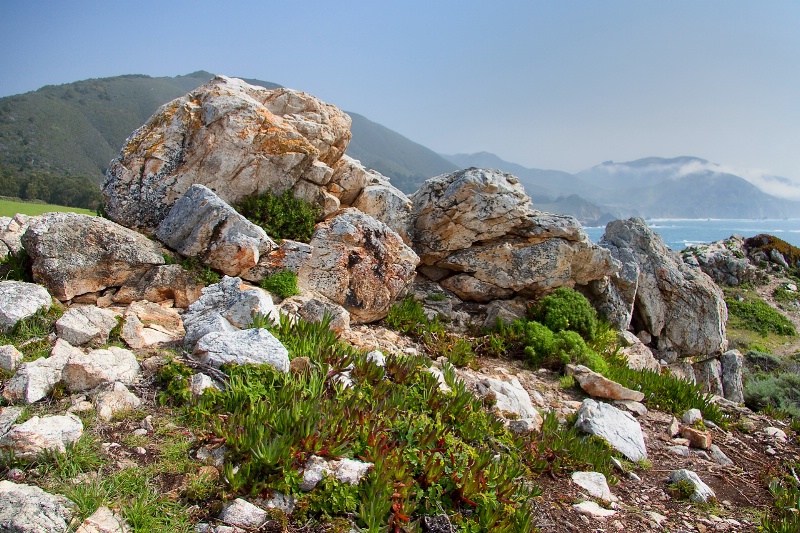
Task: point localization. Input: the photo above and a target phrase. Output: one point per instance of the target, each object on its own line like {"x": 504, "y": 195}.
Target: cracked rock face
{"x": 25, "y": 508}
{"x": 359, "y": 263}
{"x": 677, "y": 304}
{"x": 479, "y": 228}
{"x": 236, "y": 139}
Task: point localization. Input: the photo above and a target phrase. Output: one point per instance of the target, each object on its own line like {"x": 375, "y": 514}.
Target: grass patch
{"x": 283, "y": 284}
{"x": 780, "y": 390}
{"x": 30, "y": 334}
{"x": 9, "y": 208}
{"x": 281, "y": 216}
{"x": 754, "y": 314}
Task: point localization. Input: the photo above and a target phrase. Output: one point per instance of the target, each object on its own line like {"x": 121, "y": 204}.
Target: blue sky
{"x": 562, "y": 85}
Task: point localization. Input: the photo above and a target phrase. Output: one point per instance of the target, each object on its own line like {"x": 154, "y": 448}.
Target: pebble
{"x": 141, "y": 432}
{"x": 140, "y": 450}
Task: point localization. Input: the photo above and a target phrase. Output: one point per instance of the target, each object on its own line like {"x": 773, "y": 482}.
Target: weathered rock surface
{"x": 708, "y": 374}
{"x": 8, "y": 415}
{"x": 116, "y": 399}
{"x": 359, "y": 263}
{"x": 20, "y": 300}
{"x": 11, "y": 231}
{"x": 732, "y": 363}
{"x": 480, "y": 224}
{"x": 597, "y": 385}
{"x": 148, "y": 324}
{"x": 29, "y": 509}
{"x": 202, "y": 225}
{"x": 677, "y": 304}
{"x": 702, "y": 492}
{"x": 75, "y": 254}
{"x": 104, "y": 520}
{"x": 289, "y": 255}
{"x": 226, "y": 307}
{"x": 255, "y": 346}
{"x": 618, "y": 428}
{"x": 510, "y": 396}
{"x": 161, "y": 283}
{"x": 34, "y": 380}
{"x": 86, "y": 325}
{"x": 383, "y": 201}
{"x": 234, "y": 138}
{"x": 85, "y": 371}
{"x": 53, "y": 433}
{"x": 724, "y": 261}
{"x": 697, "y": 438}
{"x": 593, "y": 509}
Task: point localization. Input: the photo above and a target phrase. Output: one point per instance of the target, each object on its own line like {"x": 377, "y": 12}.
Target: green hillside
{"x": 56, "y": 143}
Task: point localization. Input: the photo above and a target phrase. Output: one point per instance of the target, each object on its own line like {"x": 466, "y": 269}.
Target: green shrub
{"x": 785, "y": 295}
{"x": 282, "y": 217}
{"x": 566, "y": 309}
{"x": 785, "y": 517}
{"x": 283, "y": 283}
{"x": 756, "y": 315}
{"x": 780, "y": 390}
{"x": 555, "y": 350}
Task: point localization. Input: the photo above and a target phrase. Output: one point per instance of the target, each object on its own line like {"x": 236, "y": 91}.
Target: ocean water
{"x": 680, "y": 233}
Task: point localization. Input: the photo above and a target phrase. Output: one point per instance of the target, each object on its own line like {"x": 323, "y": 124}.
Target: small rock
{"x": 16, "y": 475}
{"x": 34, "y": 380}
{"x": 116, "y": 399}
{"x": 597, "y": 385}
{"x": 241, "y": 513}
{"x": 86, "y": 325}
{"x": 702, "y": 492}
{"x": 595, "y": 484}
{"x": 776, "y": 434}
{"x": 697, "y": 438}
{"x": 525, "y": 425}
{"x": 593, "y": 510}
{"x": 636, "y": 408}
{"x": 139, "y": 450}
{"x": 692, "y": 416}
{"x": 346, "y": 471}
{"x": 148, "y": 325}
{"x": 279, "y": 500}
{"x": 674, "y": 427}
{"x": 719, "y": 457}
{"x": 104, "y": 520}
{"x": 618, "y": 428}
{"x": 377, "y": 358}
{"x": 437, "y": 524}
{"x": 243, "y": 346}
{"x": 147, "y": 423}
{"x": 8, "y": 415}
{"x": 510, "y": 396}
{"x": 681, "y": 451}
{"x": 212, "y": 456}
{"x": 141, "y": 432}
{"x": 10, "y": 358}
{"x": 199, "y": 383}
{"x": 19, "y": 300}
{"x": 655, "y": 517}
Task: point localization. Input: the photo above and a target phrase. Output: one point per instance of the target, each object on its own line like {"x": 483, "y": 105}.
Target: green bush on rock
{"x": 281, "y": 216}
{"x": 566, "y": 309}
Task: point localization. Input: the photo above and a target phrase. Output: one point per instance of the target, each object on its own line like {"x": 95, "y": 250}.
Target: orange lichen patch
{"x": 275, "y": 141}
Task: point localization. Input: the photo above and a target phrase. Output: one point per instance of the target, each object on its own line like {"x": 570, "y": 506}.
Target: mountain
{"x": 407, "y": 163}
{"x": 682, "y": 187}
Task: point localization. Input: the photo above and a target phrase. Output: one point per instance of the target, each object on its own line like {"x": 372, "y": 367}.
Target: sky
{"x": 546, "y": 84}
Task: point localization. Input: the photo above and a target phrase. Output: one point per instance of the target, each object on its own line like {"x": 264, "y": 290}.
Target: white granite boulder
{"x": 86, "y": 324}
{"x": 510, "y": 396}
{"x": 85, "y": 371}
{"x": 29, "y": 509}
{"x": 37, "y": 435}
{"x": 702, "y": 492}
{"x": 254, "y": 346}
{"x": 35, "y": 380}
{"x": 115, "y": 399}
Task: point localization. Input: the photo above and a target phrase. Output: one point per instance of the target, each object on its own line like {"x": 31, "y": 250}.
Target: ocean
{"x": 680, "y": 233}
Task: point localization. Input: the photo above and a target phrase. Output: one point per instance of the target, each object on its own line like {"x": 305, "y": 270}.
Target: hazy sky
{"x": 558, "y": 84}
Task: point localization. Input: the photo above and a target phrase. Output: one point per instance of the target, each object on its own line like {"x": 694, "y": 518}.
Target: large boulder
{"x": 75, "y": 254}
{"x": 359, "y": 263}
{"x": 226, "y": 306}
{"x": 86, "y": 371}
{"x": 20, "y": 300}
{"x": 29, "y": 509}
{"x": 732, "y": 363}
{"x": 479, "y": 227}
{"x": 236, "y": 139}
{"x": 202, "y": 225}
{"x": 677, "y": 304}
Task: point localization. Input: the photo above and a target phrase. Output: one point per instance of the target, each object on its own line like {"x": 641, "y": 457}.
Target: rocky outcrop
{"x": 20, "y": 300}
{"x": 315, "y": 309}
{"x": 477, "y": 230}
{"x": 678, "y": 305}
{"x": 724, "y": 261}
{"x": 202, "y": 225}
{"x": 236, "y": 139}
{"x": 75, "y": 254}
{"x": 359, "y": 263}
